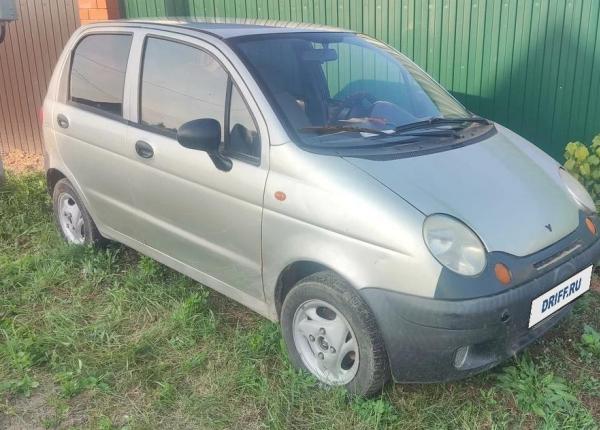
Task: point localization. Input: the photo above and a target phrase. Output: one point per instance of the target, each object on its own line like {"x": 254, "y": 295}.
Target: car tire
{"x": 326, "y": 299}
{"x": 72, "y": 219}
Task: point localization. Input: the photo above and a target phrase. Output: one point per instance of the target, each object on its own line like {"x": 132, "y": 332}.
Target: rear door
{"x": 90, "y": 126}
{"x": 205, "y": 218}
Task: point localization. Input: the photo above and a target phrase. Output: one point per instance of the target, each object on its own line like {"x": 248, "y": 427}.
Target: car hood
{"x": 507, "y": 190}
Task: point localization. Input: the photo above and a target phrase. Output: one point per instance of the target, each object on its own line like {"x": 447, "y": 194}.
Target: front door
{"x": 205, "y": 218}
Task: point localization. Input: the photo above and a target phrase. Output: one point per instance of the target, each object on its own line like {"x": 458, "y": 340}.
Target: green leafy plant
{"x": 542, "y": 394}
{"x": 74, "y": 382}
{"x": 590, "y": 341}
{"x": 23, "y": 385}
{"x": 167, "y": 394}
{"x": 583, "y": 162}
{"x": 591, "y": 386}
{"x": 376, "y": 413}
{"x": 192, "y": 320}
{"x": 20, "y": 354}
{"x": 265, "y": 340}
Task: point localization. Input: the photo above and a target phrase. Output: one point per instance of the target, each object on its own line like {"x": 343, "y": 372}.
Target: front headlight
{"x": 577, "y": 191}
{"x": 454, "y": 244}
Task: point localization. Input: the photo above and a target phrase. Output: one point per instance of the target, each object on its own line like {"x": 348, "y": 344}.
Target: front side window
{"x": 342, "y": 90}
{"x": 98, "y": 72}
{"x": 180, "y": 83}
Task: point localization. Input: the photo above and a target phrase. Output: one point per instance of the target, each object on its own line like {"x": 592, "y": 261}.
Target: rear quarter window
{"x": 97, "y": 77}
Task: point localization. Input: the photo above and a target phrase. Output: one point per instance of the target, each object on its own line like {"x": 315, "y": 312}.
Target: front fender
{"x": 325, "y": 210}
{"x": 287, "y": 240}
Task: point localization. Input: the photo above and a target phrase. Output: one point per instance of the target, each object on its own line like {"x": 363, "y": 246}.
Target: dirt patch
{"x": 20, "y": 162}
{"x": 28, "y": 412}
{"x": 595, "y": 284}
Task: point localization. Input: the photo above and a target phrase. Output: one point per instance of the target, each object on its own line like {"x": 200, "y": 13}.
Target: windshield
{"x": 333, "y": 89}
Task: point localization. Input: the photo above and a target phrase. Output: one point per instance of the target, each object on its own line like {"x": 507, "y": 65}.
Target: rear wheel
{"x": 72, "y": 218}
{"x": 331, "y": 332}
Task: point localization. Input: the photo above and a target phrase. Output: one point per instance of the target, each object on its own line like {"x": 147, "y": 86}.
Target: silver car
{"x": 322, "y": 179}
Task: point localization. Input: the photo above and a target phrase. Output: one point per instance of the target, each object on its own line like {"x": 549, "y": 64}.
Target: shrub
{"x": 584, "y": 163}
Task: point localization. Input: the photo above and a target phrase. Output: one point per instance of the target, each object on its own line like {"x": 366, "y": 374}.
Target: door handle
{"x": 144, "y": 149}
{"x": 63, "y": 121}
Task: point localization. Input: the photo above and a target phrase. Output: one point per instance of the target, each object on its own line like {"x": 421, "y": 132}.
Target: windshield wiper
{"x": 436, "y": 121}
{"x": 449, "y": 132}
{"x": 329, "y": 129}
{"x": 368, "y": 144}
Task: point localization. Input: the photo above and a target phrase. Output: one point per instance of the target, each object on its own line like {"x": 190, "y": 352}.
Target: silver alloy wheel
{"x": 71, "y": 219}
{"x": 326, "y": 343}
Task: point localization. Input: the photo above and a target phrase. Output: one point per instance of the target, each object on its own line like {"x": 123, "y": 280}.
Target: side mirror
{"x": 204, "y": 135}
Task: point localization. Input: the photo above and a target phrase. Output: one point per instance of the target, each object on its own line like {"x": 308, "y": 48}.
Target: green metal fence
{"x": 532, "y": 65}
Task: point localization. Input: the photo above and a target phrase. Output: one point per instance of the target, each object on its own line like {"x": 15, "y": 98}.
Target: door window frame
{"x": 231, "y": 85}
{"x": 231, "y": 82}
{"x": 67, "y": 89}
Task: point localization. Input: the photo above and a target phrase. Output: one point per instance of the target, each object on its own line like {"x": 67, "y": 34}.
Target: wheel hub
{"x": 71, "y": 219}
{"x": 326, "y": 342}
{"x": 323, "y": 344}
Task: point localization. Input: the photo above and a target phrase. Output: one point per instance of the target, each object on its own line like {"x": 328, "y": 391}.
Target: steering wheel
{"x": 356, "y": 105}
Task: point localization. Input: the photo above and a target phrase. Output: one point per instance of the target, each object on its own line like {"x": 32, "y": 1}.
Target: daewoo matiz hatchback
{"x": 325, "y": 181}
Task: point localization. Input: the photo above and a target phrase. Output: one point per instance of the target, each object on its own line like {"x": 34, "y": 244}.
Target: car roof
{"x": 231, "y": 27}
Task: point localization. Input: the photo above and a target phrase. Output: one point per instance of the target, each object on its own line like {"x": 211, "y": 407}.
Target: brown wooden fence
{"x": 27, "y": 57}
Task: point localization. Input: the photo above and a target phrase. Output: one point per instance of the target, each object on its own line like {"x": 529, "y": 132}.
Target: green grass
{"x": 110, "y": 339}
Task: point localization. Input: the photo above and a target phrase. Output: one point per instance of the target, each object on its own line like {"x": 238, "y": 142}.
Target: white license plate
{"x": 560, "y": 296}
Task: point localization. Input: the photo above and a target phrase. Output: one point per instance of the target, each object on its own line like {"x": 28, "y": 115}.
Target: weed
{"x": 375, "y": 413}
{"x": 591, "y": 386}
{"x": 16, "y": 353}
{"x": 590, "y": 343}
{"x": 105, "y": 423}
{"x": 543, "y": 394}
{"x": 266, "y": 340}
{"x": 74, "y": 382}
{"x": 167, "y": 394}
{"x": 152, "y": 269}
{"x": 192, "y": 320}
{"x": 195, "y": 362}
{"x": 23, "y": 385}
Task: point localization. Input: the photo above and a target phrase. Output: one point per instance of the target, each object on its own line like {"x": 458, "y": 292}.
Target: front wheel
{"x": 331, "y": 332}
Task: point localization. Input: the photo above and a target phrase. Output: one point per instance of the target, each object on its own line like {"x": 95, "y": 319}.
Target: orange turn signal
{"x": 590, "y": 225}
{"x": 502, "y": 273}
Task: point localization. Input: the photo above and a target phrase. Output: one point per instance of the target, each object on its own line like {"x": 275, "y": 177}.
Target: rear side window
{"x": 98, "y": 72}
{"x": 179, "y": 84}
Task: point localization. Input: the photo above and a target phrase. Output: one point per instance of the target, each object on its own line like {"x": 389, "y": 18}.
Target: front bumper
{"x": 433, "y": 340}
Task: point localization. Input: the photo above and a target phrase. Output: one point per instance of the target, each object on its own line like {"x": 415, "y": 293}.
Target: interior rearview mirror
{"x": 319, "y": 55}
{"x": 204, "y": 135}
